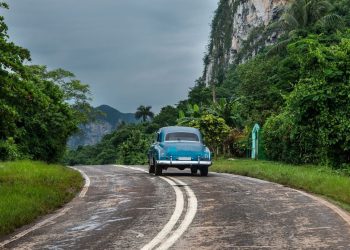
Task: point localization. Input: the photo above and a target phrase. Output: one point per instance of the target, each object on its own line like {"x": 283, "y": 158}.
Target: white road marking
{"x": 192, "y": 205}
{"x": 173, "y": 219}
{"x": 87, "y": 182}
{"x": 50, "y": 219}
{"x": 191, "y": 211}
{"x": 35, "y": 227}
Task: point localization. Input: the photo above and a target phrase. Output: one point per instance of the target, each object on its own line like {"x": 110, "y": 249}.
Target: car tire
{"x": 151, "y": 168}
{"x": 158, "y": 169}
{"x": 194, "y": 170}
{"x": 204, "y": 171}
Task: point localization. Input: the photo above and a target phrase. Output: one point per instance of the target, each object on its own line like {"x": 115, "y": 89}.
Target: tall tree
{"x": 166, "y": 117}
{"x": 13, "y": 90}
{"x": 144, "y": 112}
{"x": 37, "y": 113}
{"x": 301, "y": 16}
{"x": 76, "y": 93}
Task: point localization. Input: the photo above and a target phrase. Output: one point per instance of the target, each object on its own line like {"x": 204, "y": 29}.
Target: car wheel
{"x": 158, "y": 169}
{"x": 194, "y": 170}
{"x": 151, "y": 168}
{"x": 204, "y": 171}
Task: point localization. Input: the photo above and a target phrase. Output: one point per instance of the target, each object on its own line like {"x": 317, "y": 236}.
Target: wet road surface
{"x": 126, "y": 208}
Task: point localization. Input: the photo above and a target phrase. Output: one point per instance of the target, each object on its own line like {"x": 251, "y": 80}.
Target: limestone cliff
{"x": 238, "y": 32}
{"x": 252, "y": 14}
{"x": 90, "y": 134}
{"x": 105, "y": 123}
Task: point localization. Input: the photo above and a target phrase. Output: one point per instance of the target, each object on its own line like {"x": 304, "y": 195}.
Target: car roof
{"x": 178, "y": 129}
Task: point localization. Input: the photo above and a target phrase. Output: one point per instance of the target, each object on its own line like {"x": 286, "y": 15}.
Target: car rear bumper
{"x": 184, "y": 163}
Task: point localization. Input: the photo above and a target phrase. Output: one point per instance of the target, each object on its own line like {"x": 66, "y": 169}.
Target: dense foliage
{"x": 39, "y": 109}
{"x": 314, "y": 125}
{"x": 298, "y": 89}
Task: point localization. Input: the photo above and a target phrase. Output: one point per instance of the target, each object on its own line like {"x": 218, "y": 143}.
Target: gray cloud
{"x": 130, "y": 52}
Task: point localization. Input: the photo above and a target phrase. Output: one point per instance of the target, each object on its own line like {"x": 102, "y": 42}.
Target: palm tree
{"x": 300, "y": 16}
{"x": 144, "y": 112}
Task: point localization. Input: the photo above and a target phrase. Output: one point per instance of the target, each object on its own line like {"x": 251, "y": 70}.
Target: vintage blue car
{"x": 179, "y": 147}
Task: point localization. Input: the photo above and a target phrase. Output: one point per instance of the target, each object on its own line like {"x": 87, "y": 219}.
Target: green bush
{"x": 314, "y": 125}
{"x": 214, "y": 130}
{"x": 134, "y": 150}
{"x": 8, "y": 150}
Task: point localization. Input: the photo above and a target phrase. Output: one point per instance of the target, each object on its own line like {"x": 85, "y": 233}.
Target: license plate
{"x": 184, "y": 158}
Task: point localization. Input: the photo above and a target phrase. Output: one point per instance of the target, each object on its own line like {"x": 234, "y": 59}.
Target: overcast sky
{"x": 130, "y": 52}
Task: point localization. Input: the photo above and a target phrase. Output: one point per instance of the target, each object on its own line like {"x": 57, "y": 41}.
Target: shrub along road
{"x": 126, "y": 208}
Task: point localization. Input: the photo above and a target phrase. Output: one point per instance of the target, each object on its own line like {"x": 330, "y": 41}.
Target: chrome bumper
{"x": 183, "y": 163}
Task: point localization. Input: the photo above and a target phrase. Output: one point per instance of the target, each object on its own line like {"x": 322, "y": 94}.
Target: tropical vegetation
{"x": 296, "y": 89}
{"x": 39, "y": 108}
{"x": 144, "y": 112}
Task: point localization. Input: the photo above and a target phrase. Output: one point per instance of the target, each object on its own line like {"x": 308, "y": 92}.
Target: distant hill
{"x": 93, "y": 132}
{"x": 114, "y": 116}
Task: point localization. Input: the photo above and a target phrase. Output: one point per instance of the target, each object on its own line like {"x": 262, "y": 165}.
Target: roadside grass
{"x": 29, "y": 189}
{"x": 319, "y": 180}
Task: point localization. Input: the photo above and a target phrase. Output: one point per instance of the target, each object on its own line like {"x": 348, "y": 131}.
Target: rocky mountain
{"x": 251, "y": 15}
{"x": 105, "y": 123}
{"x": 239, "y": 30}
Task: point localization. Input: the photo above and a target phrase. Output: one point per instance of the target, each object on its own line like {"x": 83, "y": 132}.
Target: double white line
{"x": 168, "y": 235}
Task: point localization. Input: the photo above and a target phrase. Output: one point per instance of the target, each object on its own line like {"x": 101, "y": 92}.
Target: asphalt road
{"x": 126, "y": 208}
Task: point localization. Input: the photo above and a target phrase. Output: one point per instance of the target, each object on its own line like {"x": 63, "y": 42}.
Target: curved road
{"x": 126, "y": 208}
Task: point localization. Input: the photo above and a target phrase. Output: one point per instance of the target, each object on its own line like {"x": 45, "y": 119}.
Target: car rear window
{"x": 181, "y": 136}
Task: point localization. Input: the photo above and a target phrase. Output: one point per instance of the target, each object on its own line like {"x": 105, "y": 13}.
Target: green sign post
{"x": 255, "y": 141}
